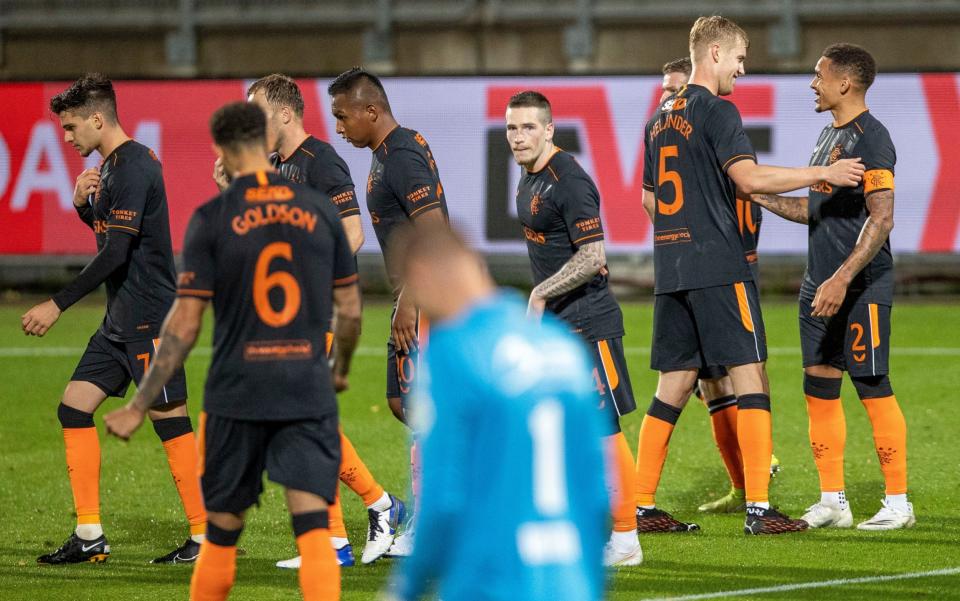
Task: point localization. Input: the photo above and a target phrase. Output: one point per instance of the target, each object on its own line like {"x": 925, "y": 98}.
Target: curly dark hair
{"x": 91, "y": 93}
{"x": 280, "y": 90}
{"x": 239, "y": 124}
{"x": 854, "y": 61}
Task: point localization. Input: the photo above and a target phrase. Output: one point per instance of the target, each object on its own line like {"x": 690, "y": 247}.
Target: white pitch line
{"x": 805, "y": 585}
{"x": 19, "y": 352}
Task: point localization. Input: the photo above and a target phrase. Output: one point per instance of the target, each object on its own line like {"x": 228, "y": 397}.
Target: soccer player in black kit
{"x": 559, "y": 208}
{"x": 847, "y": 292}
{"x": 403, "y": 186}
{"x": 706, "y": 310}
{"x": 125, "y": 204}
{"x": 273, "y": 257}
{"x": 304, "y": 159}
{"x": 714, "y": 387}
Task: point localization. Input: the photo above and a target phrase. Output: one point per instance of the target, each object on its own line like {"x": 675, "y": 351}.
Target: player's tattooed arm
{"x": 580, "y": 269}
{"x": 876, "y": 229}
{"x": 791, "y": 208}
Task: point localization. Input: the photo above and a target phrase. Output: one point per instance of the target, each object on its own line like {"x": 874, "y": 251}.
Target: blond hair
{"x": 714, "y": 30}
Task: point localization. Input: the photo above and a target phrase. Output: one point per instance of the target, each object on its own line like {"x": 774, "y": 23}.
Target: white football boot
{"x": 889, "y": 518}
{"x": 828, "y": 515}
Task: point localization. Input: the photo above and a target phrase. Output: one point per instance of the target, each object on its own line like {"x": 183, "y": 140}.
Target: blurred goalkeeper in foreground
{"x": 507, "y": 414}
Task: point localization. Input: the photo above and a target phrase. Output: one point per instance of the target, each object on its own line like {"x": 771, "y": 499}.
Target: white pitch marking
{"x": 805, "y": 585}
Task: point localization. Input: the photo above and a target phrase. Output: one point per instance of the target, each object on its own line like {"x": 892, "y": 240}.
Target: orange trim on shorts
{"x": 874, "y": 326}
{"x": 329, "y": 340}
{"x": 609, "y": 367}
{"x": 744, "y": 305}
{"x": 423, "y": 329}
{"x": 201, "y": 442}
{"x": 262, "y": 178}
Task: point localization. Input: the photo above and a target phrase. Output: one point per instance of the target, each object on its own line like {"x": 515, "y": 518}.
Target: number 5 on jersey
{"x": 666, "y": 175}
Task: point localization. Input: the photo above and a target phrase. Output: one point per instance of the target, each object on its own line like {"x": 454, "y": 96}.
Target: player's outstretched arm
{"x": 177, "y": 337}
{"x": 876, "y": 229}
{"x": 347, "y": 313}
{"x": 752, "y": 178}
{"x": 580, "y": 269}
{"x": 791, "y": 208}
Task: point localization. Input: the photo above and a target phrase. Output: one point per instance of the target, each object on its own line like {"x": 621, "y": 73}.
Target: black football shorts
{"x": 111, "y": 365}
{"x": 299, "y": 455}
{"x": 856, "y": 339}
{"x": 612, "y": 382}
{"x": 720, "y": 325}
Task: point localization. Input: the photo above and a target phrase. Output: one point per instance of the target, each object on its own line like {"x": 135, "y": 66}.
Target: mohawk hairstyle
{"x": 280, "y": 90}
{"x": 532, "y": 98}
{"x": 853, "y": 60}
{"x": 680, "y": 65}
{"x": 91, "y": 93}
{"x": 348, "y": 81}
{"x": 239, "y": 124}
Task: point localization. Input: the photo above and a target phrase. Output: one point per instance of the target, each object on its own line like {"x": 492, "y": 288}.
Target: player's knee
{"x": 311, "y": 520}
{"x": 169, "y": 428}
{"x": 753, "y": 401}
{"x": 74, "y": 418}
{"x": 872, "y": 387}
{"x": 821, "y": 388}
{"x": 223, "y": 535}
{"x": 168, "y": 410}
{"x": 663, "y": 411}
{"x": 716, "y": 388}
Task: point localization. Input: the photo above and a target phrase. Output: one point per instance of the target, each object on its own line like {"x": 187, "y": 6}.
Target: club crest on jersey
{"x": 835, "y": 153}
{"x": 535, "y": 203}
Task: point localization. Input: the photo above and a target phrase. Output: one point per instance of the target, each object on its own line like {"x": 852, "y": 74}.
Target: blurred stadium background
{"x": 451, "y": 65}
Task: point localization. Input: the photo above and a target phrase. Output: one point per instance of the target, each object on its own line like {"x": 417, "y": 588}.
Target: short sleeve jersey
{"x": 559, "y": 209}
{"x": 690, "y": 143}
{"x": 836, "y": 215}
{"x": 316, "y": 164}
{"x": 402, "y": 185}
{"x": 268, "y": 252}
{"x": 131, "y": 200}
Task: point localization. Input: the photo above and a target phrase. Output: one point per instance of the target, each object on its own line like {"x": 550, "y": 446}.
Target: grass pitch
{"x": 143, "y": 518}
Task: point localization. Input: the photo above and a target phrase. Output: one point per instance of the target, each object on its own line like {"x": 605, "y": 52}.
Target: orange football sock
{"x": 83, "y": 466}
{"x": 354, "y": 473}
{"x": 654, "y": 439}
{"x": 337, "y": 527}
{"x": 319, "y": 571}
{"x": 214, "y": 572}
{"x": 828, "y": 438}
{"x": 890, "y": 439}
{"x": 183, "y": 459}
{"x": 620, "y": 460}
{"x": 723, "y": 421}
{"x": 755, "y": 434}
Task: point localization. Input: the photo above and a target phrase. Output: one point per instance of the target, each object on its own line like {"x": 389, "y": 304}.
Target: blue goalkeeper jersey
{"x": 514, "y": 504}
